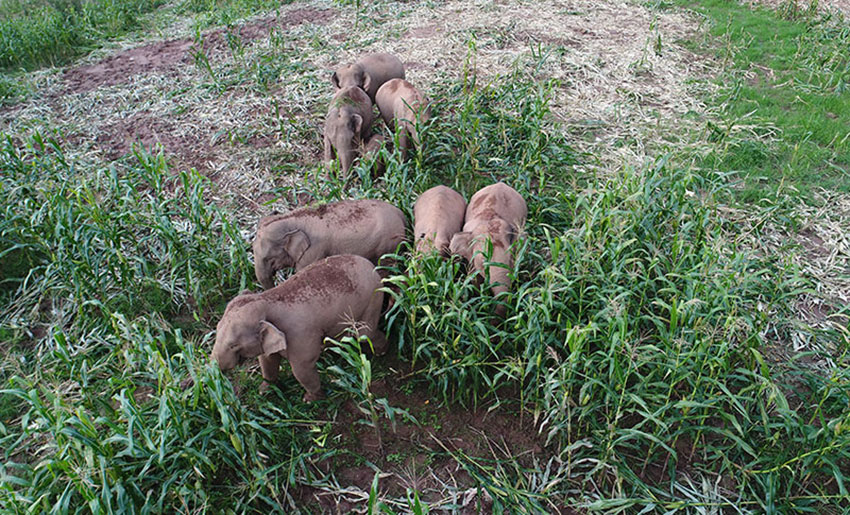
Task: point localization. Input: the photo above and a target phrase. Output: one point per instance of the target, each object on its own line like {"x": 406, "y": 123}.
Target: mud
{"x": 329, "y": 278}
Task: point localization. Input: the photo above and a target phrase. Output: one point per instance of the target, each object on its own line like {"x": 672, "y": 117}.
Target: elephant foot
{"x": 314, "y": 396}
{"x": 265, "y": 387}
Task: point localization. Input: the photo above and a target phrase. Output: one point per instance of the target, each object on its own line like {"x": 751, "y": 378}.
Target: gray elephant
{"x": 400, "y": 105}
{"x": 370, "y": 152}
{"x": 368, "y": 228}
{"x": 495, "y": 214}
{"x": 437, "y": 216}
{"x": 348, "y": 123}
{"x": 292, "y": 320}
{"x": 369, "y": 73}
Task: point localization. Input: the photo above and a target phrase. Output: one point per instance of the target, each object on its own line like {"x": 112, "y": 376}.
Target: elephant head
{"x": 352, "y": 75}
{"x": 495, "y": 237}
{"x": 277, "y": 246}
{"x": 243, "y": 333}
{"x": 343, "y": 130}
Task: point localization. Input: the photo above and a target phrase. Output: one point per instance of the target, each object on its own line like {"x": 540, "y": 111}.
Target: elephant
{"x": 368, "y": 228}
{"x": 348, "y": 123}
{"x": 292, "y": 320}
{"x": 437, "y": 215}
{"x": 369, "y": 151}
{"x": 495, "y": 214}
{"x": 369, "y": 73}
{"x": 400, "y": 103}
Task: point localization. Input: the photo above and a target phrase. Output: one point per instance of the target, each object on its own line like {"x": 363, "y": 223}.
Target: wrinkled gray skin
{"x": 400, "y": 104}
{"x": 292, "y": 320}
{"x": 349, "y": 121}
{"x": 369, "y": 73}
{"x": 437, "y": 216}
{"x": 495, "y": 213}
{"x": 368, "y": 228}
{"x": 369, "y": 152}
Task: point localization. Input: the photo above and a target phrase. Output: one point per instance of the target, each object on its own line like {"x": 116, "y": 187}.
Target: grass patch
{"x": 785, "y": 100}
{"x": 635, "y": 338}
{"x": 35, "y": 34}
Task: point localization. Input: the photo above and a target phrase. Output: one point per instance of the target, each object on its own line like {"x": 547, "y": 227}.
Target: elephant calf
{"x": 369, "y": 73}
{"x": 292, "y": 320}
{"x": 348, "y": 123}
{"x": 368, "y": 228}
{"x": 400, "y": 103}
{"x": 495, "y": 214}
{"x": 437, "y": 216}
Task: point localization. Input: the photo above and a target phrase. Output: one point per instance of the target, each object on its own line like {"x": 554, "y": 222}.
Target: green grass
{"x": 785, "y": 125}
{"x": 36, "y": 34}
{"x": 636, "y": 336}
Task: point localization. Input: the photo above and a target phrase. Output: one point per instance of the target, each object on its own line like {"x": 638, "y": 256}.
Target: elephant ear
{"x": 296, "y": 244}
{"x": 460, "y": 245}
{"x": 367, "y": 81}
{"x": 356, "y": 123}
{"x": 272, "y": 339}
{"x": 335, "y": 80}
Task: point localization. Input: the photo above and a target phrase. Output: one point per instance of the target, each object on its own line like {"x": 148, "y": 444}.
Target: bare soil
{"x": 169, "y": 55}
{"x": 425, "y": 457}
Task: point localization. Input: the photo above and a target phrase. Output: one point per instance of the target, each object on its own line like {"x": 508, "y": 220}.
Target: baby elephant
{"x": 437, "y": 216}
{"x": 495, "y": 214}
{"x": 292, "y": 320}
{"x": 348, "y": 123}
{"x": 370, "y": 151}
{"x": 368, "y": 228}
{"x": 369, "y": 73}
{"x": 399, "y": 103}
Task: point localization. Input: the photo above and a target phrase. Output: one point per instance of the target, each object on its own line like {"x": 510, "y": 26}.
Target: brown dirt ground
{"x": 169, "y": 55}
{"x": 420, "y": 457}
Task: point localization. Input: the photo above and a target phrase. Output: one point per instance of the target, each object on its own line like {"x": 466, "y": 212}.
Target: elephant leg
{"x": 270, "y": 368}
{"x": 305, "y": 371}
{"x": 404, "y": 141}
{"x": 371, "y": 317}
{"x": 328, "y": 154}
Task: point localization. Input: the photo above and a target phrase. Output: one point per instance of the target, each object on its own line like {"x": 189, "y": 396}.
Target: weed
{"x": 783, "y": 99}
{"x": 34, "y": 34}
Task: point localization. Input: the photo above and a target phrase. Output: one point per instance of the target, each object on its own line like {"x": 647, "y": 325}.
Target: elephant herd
{"x": 335, "y": 247}
{"x": 374, "y": 79}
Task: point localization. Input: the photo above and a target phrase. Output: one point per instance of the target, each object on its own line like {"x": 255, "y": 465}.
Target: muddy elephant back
{"x": 497, "y": 199}
{"x": 381, "y": 67}
{"x": 395, "y": 226}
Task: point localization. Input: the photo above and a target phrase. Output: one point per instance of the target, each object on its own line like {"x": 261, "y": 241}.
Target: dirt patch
{"x": 426, "y": 458}
{"x": 189, "y": 148}
{"x": 168, "y": 56}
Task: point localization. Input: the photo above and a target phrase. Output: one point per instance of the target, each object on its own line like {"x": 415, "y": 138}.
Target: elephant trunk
{"x": 264, "y": 274}
{"x": 500, "y": 283}
{"x": 346, "y": 158}
{"x": 225, "y": 359}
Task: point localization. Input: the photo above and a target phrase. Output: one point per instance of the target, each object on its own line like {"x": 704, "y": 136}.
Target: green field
{"x": 676, "y": 337}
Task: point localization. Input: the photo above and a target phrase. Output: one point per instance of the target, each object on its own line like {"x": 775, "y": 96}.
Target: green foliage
{"x": 37, "y": 34}
{"x": 635, "y": 334}
{"x": 139, "y": 242}
{"x": 224, "y": 12}
{"x": 121, "y": 410}
{"x": 785, "y": 98}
